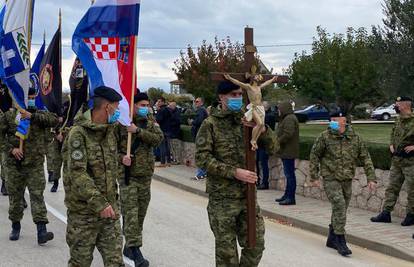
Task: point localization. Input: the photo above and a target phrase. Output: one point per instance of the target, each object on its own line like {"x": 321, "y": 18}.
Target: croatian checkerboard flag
{"x": 105, "y": 42}
{"x": 15, "y": 37}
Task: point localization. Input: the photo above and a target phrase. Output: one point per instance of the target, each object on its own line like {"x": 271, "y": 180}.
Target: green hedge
{"x": 379, "y": 152}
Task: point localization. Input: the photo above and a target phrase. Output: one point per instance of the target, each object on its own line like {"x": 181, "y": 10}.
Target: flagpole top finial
{"x": 60, "y": 18}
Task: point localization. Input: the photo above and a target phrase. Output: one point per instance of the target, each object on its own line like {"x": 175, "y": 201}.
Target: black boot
{"x": 15, "y": 233}
{"x": 43, "y": 235}
{"x": 342, "y": 246}
{"x": 383, "y": 217}
{"x": 330, "y": 242}
{"x": 409, "y": 220}
{"x": 287, "y": 202}
{"x": 263, "y": 187}
{"x": 55, "y": 186}
{"x": 50, "y": 178}
{"x": 283, "y": 198}
{"x": 3, "y": 188}
{"x": 134, "y": 253}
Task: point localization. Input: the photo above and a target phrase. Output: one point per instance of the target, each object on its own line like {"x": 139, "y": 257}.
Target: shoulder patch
{"x": 77, "y": 155}
{"x": 76, "y": 144}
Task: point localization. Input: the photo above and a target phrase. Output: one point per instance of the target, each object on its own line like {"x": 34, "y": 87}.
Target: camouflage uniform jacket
{"x": 148, "y": 136}
{"x": 91, "y": 167}
{"x": 221, "y": 150}
{"x": 403, "y": 133}
{"x": 336, "y": 156}
{"x": 34, "y": 146}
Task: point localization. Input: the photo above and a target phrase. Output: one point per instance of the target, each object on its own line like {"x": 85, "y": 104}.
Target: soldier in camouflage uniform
{"x": 402, "y": 167}
{"x": 136, "y": 189}
{"x": 25, "y": 168}
{"x": 221, "y": 152}
{"x": 2, "y": 163}
{"x": 54, "y": 158}
{"x": 335, "y": 156}
{"x": 91, "y": 170}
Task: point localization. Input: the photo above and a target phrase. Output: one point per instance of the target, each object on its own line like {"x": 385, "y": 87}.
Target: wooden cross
{"x": 249, "y": 61}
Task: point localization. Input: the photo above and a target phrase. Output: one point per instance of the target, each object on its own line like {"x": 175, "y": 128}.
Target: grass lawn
{"x": 373, "y": 133}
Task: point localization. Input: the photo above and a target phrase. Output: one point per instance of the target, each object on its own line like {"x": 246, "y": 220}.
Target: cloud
{"x": 177, "y": 23}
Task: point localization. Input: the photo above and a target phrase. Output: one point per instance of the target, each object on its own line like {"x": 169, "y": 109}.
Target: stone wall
{"x": 361, "y": 197}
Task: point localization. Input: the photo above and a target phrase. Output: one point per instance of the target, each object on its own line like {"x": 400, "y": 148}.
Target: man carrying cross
{"x": 221, "y": 151}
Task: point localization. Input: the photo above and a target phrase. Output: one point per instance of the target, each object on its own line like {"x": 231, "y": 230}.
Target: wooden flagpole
{"x": 131, "y": 104}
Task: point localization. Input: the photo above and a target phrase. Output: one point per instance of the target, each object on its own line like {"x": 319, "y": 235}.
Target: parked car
{"x": 385, "y": 112}
{"x": 313, "y": 112}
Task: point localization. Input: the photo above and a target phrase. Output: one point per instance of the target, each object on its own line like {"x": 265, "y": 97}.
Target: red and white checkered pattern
{"x": 102, "y": 48}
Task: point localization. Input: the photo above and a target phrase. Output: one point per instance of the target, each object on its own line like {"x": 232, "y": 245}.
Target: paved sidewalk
{"x": 313, "y": 215}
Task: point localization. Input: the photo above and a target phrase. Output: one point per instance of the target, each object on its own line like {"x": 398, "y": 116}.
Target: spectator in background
{"x": 201, "y": 115}
{"x": 175, "y": 131}
{"x": 288, "y": 135}
{"x": 163, "y": 118}
{"x": 262, "y": 158}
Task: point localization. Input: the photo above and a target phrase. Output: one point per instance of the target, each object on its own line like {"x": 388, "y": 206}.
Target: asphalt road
{"x": 177, "y": 234}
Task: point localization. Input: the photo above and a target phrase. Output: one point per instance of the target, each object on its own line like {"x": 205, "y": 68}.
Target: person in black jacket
{"x": 262, "y": 158}
{"x": 201, "y": 115}
{"x": 163, "y": 117}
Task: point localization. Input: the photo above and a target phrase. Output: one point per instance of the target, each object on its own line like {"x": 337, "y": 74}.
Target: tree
{"x": 398, "y": 34}
{"x": 154, "y": 94}
{"x": 341, "y": 69}
{"x": 194, "y": 67}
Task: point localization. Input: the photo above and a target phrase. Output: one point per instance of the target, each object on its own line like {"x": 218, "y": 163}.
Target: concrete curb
{"x": 308, "y": 226}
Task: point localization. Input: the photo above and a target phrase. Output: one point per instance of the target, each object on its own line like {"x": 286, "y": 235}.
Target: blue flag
{"x": 34, "y": 76}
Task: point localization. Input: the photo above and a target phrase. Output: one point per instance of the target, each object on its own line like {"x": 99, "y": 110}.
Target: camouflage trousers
{"x": 54, "y": 158}
{"x": 20, "y": 176}
{"x": 401, "y": 170}
{"x": 228, "y": 221}
{"x": 85, "y": 232}
{"x": 135, "y": 199}
{"x": 339, "y": 193}
{"x": 2, "y": 167}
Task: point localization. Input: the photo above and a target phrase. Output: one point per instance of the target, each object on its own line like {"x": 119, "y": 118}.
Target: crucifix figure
{"x": 267, "y": 79}
{"x": 256, "y": 111}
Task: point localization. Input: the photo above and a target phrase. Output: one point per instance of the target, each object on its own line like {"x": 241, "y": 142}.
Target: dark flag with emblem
{"x": 5, "y": 98}
{"x": 50, "y": 76}
{"x": 78, "y": 83}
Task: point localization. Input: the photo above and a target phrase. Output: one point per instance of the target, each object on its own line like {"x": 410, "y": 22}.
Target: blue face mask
{"x": 143, "y": 111}
{"x": 235, "y": 104}
{"x": 334, "y": 125}
{"x": 114, "y": 117}
{"x": 31, "y": 103}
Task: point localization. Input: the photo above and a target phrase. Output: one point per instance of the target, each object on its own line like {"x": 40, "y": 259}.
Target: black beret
{"x": 403, "y": 99}
{"x": 226, "y": 87}
{"x": 108, "y": 93}
{"x": 140, "y": 97}
{"x": 337, "y": 113}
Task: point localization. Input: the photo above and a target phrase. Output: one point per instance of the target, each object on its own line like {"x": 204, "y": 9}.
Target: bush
{"x": 360, "y": 113}
{"x": 379, "y": 152}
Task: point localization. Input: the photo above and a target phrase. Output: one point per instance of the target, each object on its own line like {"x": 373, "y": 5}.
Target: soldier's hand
{"x": 372, "y": 186}
{"x": 108, "y": 212}
{"x": 60, "y": 119}
{"x": 25, "y": 114}
{"x": 132, "y": 128}
{"x": 409, "y": 149}
{"x": 126, "y": 160}
{"x": 17, "y": 153}
{"x": 316, "y": 183}
{"x": 250, "y": 124}
{"x": 246, "y": 176}
{"x": 59, "y": 137}
{"x": 392, "y": 149}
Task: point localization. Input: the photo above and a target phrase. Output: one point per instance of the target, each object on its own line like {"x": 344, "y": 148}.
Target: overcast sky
{"x": 177, "y": 23}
